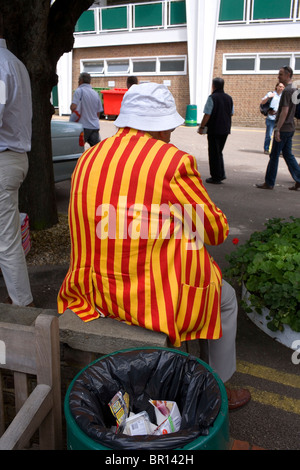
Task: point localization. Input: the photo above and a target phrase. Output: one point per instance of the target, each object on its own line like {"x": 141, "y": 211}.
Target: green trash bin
{"x": 81, "y": 422}
{"x": 98, "y": 90}
{"x": 191, "y": 115}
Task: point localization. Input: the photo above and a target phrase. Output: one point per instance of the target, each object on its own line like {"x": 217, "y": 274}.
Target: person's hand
{"x": 277, "y": 136}
{"x": 201, "y": 130}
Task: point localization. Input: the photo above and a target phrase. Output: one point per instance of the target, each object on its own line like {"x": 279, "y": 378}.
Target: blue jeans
{"x": 270, "y": 123}
{"x": 284, "y": 146}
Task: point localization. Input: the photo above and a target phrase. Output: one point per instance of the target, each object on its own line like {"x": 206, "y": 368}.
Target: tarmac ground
{"x": 272, "y": 419}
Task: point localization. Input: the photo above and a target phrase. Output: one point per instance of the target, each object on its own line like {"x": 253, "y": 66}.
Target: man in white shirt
{"x": 15, "y": 142}
{"x": 87, "y": 105}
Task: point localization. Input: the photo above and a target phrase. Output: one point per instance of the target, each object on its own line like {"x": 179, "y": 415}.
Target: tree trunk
{"x": 37, "y": 193}
{"x": 38, "y": 34}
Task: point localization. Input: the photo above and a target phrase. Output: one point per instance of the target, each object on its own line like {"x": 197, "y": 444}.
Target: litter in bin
{"x": 119, "y": 406}
{"x": 145, "y": 374}
{"x": 138, "y": 424}
{"x": 167, "y": 416}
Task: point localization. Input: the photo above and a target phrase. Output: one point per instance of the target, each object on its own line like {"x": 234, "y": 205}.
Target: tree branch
{"x": 62, "y": 20}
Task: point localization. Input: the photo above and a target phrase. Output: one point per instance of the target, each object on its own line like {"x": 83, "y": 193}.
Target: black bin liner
{"x": 145, "y": 374}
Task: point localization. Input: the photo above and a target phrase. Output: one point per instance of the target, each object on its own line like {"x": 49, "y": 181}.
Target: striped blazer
{"x": 140, "y": 219}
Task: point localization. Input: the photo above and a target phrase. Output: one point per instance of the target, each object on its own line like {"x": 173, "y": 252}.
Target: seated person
{"x": 140, "y": 219}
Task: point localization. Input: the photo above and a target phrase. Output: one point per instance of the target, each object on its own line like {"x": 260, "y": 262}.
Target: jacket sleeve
{"x": 201, "y": 218}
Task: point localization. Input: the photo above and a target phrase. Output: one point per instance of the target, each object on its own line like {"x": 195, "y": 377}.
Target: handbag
{"x": 265, "y": 108}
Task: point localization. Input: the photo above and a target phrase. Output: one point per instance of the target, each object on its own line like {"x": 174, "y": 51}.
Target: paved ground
{"x": 272, "y": 419}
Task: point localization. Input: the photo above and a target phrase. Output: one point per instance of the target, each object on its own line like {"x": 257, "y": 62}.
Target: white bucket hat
{"x": 149, "y": 107}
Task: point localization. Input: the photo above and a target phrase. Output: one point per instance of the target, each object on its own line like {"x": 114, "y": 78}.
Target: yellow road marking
{"x": 268, "y": 398}
{"x": 268, "y": 373}
{"x": 273, "y": 399}
{"x": 248, "y": 129}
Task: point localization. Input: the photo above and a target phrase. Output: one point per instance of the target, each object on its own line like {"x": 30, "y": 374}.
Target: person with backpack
{"x": 283, "y": 134}
{"x": 273, "y": 98}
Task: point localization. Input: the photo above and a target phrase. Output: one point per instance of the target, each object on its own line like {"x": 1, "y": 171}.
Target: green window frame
{"x": 55, "y": 96}
{"x": 148, "y": 15}
{"x": 86, "y": 22}
{"x": 232, "y": 10}
{"x": 271, "y": 9}
{"x": 114, "y": 18}
{"x": 177, "y": 13}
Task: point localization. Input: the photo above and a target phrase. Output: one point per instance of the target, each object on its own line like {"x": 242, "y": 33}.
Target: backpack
{"x": 264, "y": 108}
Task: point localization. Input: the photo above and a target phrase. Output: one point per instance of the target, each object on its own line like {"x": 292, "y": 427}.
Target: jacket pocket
{"x": 195, "y": 307}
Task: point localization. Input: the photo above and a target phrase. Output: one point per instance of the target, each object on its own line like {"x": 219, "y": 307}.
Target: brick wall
{"x": 248, "y": 90}
{"x": 179, "y": 83}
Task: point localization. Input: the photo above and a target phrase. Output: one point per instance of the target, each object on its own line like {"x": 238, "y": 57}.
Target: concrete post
{"x": 202, "y": 22}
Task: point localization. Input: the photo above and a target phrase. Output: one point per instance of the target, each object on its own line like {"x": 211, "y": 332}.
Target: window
{"x": 271, "y": 9}
{"x": 114, "y": 18}
{"x": 118, "y": 66}
{"x": 86, "y": 22}
{"x": 142, "y": 66}
{"x": 177, "y": 12}
{"x": 94, "y": 68}
{"x": 231, "y": 10}
{"x": 172, "y": 65}
{"x": 148, "y": 15}
{"x": 273, "y": 63}
{"x": 256, "y": 10}
{"x": 259, "y": 63}
{"x": 240, "y": 64}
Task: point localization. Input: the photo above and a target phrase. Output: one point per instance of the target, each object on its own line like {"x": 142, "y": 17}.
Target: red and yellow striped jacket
{"x": 138, "y": 238}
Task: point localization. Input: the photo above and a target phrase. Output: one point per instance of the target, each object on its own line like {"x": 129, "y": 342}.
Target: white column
{"x": 202, "y": 23}
{"x": 64, "y": 86}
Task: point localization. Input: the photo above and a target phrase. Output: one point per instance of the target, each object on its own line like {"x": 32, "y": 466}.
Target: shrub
{"x": 269, "y": 266}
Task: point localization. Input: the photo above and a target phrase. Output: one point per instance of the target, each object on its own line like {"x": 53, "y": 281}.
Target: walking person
{"x": 15, "y": 142}
{"x": 217, "y": 119}
{"x": 270, "y": 119}
{"x": 87, "y": 106}
{"x": 283, "y": 134}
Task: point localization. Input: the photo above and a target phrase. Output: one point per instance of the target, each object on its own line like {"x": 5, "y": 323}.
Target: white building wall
{"x": 64, "y": 86}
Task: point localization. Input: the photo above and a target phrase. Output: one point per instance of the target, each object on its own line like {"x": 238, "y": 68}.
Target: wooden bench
{"x": 33, "y": 350}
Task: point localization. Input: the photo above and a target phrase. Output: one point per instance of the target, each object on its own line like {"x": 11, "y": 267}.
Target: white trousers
{"x": 13, "y": 170}
{"x": 220, "y": 354}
